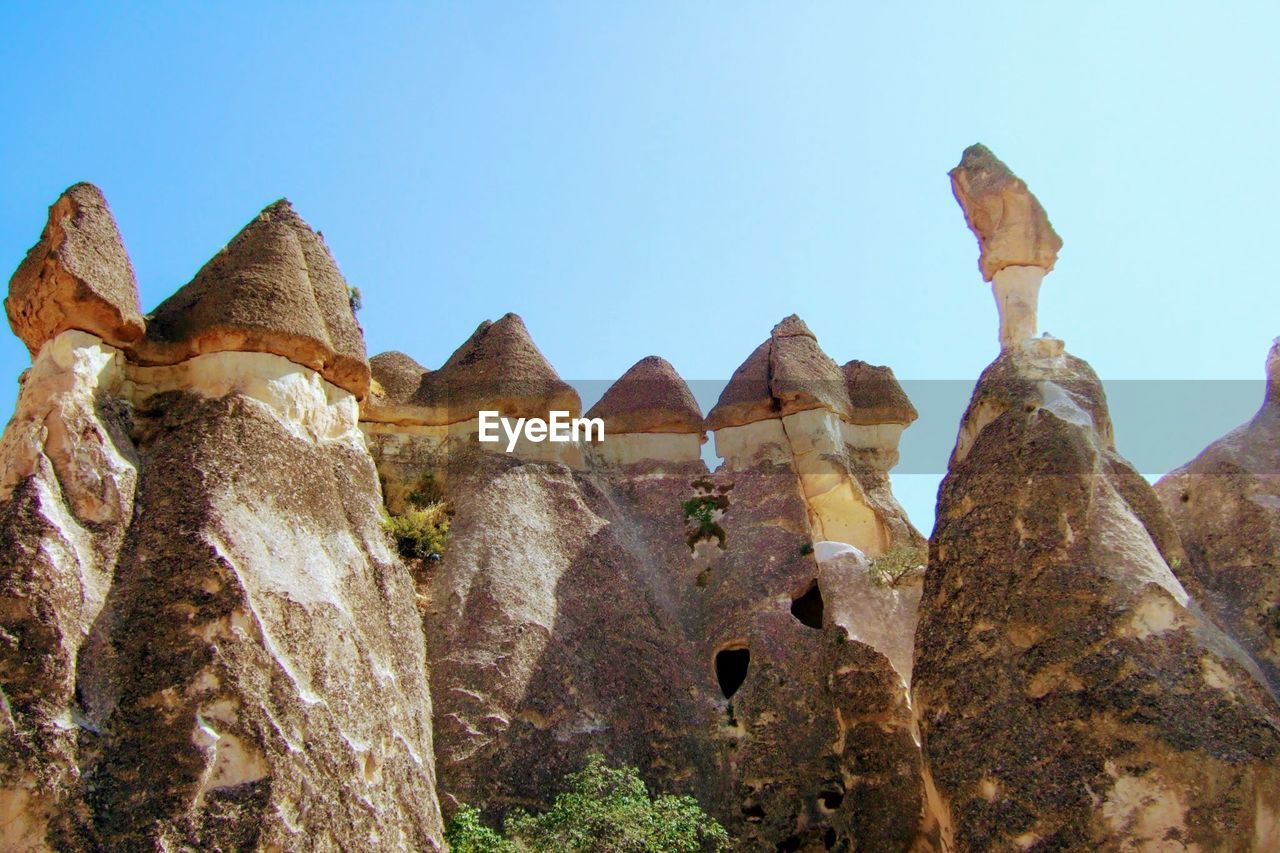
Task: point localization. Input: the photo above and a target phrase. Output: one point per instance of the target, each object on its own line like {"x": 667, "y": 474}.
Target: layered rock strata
{"x": 206, "y": 641}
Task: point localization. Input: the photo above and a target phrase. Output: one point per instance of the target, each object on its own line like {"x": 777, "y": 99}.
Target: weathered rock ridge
{"x": 582, "y": 605}
{"x": 209, "y": 639}
{"x": 1225, "y": 504}
{"x": 200, "y": 648}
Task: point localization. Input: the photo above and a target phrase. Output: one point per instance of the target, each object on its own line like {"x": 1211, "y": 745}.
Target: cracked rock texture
{"x": 1070, "y": 693}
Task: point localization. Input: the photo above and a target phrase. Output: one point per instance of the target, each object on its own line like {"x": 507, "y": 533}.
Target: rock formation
{"x": 1018, "y": 245}
{"x": 1225, "y": 504}
{"x": 206, "y": 641}
{"x": 1069, "y": 692}
{"x": 78, "y": 276}
{"x": 613, "y": 597}
{"x": 649, "y": 413}
{"x": 274, "y": 289}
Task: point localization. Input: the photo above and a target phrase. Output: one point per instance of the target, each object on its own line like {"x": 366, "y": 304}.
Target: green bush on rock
{"x": 603, "y": 810}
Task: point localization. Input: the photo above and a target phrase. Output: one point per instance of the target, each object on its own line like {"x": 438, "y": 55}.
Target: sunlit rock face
{"x": 619, "y": 597}
{"x": 1016, "y": 242}
{"x": 1226, "y": 506}
{"x": 1070, "y": 693}
{"x": 206, "y": 641}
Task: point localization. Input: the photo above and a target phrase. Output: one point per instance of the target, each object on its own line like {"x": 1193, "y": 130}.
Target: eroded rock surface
{"x": 1226, "y": 506}
{"x": 624, "y": 599}
{"x": 78, "y": 276}
{"x": 205, "y": 642}
{"x": 1069, "y": 693}
{"x": 274, "y": 288}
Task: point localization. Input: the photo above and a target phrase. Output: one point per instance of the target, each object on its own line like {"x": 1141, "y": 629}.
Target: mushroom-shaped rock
{"x": 1017, "y": 243}
{"x": 875, "y": 397}
{"x": 396, "y": 378}
{"x": 500, "y": 369}
{"x": 274, "y": 288}
{"x": 786, "y": 374}
{"x": 78, "y": 276}
{"x": 650, "y": 397}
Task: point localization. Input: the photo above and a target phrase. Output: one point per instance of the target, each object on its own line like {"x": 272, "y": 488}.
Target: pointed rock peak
{"x": 274, "y": 288}
{"x": 78, "y": 276}
{"x": 649, "y": 397}
{"x": 801, "y": 375}
{"x": 792, "y": 326}
{"x": 746, "y": 397}
{"x": 396, "y": 377}
{"x": 1011, "y": 226}
{"x": 788, "y": 373}
{"x": 876, "y": 396}
{"x": 498, "y": 368}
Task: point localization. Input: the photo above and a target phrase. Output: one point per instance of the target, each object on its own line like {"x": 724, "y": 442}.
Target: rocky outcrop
{"x": 649, "y": 414}
{"x": 204, "y": 639}
{"x": 1017, "y": 244}
{"x": 77, "y": 277}
{"x": 275, "y": 289}
{"x": 621, "y": 598}
{"x": 1069, "y": 692}
{"x": 791, "y": 404}
{"x": 1225, "y": 504}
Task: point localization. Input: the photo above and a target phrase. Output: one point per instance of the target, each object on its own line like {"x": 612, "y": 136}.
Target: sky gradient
{"x": 675, "y": 178}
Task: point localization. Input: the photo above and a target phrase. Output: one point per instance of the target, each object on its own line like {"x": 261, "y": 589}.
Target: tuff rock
{"x": 1225, "y": 504}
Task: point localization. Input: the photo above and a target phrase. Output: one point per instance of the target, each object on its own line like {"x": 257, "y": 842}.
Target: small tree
{"x": 604, "y": 810}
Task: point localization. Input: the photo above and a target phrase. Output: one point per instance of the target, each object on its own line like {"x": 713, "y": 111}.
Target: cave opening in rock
{"x": 808, "y": 607}
{"x": 731, "y": 669}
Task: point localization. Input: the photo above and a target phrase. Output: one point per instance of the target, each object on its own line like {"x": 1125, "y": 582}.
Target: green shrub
{"x": 701, "y": 510}
{"x": 603, "y": 810}
{"x": 355, "y": 298}
{"x": 806, "y": 549}
{"x": 421, "y": 532}
{"x": 898, "y": 563}
{"x": 466, "y": 834}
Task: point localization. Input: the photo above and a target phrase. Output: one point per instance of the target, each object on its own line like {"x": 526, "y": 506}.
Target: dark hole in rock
{"x": 790, "y": 844}
{"x": 829, "y": 838}
{"x": 731, "y": 670}
{"x": 753, "y": 813}
{"x": 1186, "y": 497}
{"x": 831, "y": 800}
{"x": 808, "y": 607}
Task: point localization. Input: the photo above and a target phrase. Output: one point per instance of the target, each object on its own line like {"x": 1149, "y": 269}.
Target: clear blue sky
{"x": 674, "y": 178}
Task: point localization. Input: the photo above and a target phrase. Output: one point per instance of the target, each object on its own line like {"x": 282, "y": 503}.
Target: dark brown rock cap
{"x": 499, "y": 368}
{"x": 790, "y": 373}
{"x": 78, "y": 276}
{"x": 274, "y": 288}
{"x": 650, "y": 397}
{"x": 875, "y": 395}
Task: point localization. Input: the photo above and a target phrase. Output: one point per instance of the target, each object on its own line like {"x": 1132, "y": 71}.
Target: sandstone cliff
{"x": 206, "y": 641}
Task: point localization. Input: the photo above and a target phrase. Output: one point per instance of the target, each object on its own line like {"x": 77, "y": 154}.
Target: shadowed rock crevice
{"x": 732, "y": 665}
{"x": 808, "y": 608}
